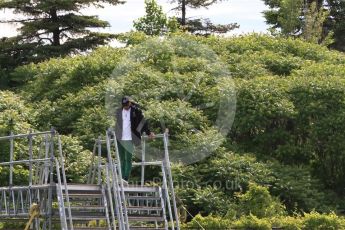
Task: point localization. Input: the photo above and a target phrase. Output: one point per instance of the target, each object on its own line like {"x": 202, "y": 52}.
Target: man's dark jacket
{"x": 138, "y": 124}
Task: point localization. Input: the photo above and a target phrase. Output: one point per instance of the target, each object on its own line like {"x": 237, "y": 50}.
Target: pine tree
{"x": 52, "y": 28}
{"x": 200, "y": 26}
{"x": 195, "y": 4}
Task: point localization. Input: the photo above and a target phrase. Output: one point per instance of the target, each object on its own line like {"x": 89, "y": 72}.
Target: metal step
{"x": 143, "y": 197}
{"x": 87, "y": 218}
{"x": 82, "y": 187}
{"x": 90, "y": 228}
{"x": 87, "y": 208}
{"x": 143, "y": 228}
{"x": 140, "y": 189}
{"x": 145, "y": 218}
{"x": 79, "y": 196}
{"x": 78, "y": 214}
{"x": 140, "y": 208}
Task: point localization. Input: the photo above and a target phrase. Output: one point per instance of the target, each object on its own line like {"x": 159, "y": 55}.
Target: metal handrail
{"x": 171, "y": 182}
{"x": 153, "y": 163}
{"x": 110, "y": 197}
{"x": 25, "y": 161}
{"x": 119, "y": 173}
{"x": 92, "y": 169}
{"x": 14, "y": 188}
{"x": 96, "y": 169}
{"x": 61, "y": 202}
{"x": 65, "y": 183}
{"x": 114, "y": 176}
{"x": 166, "y": 174}
{"x": 166, "y": 191}
{"x": 25, "y": 135}
{"x": 115, "y": 184}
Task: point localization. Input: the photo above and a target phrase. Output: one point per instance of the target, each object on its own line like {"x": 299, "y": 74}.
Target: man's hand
{"x": 152, "y": 135}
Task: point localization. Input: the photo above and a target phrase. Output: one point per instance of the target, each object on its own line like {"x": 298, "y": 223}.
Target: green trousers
{"x": 126, "y": 149}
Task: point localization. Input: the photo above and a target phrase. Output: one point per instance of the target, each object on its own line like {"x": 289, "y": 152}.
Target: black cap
{"x": 125, "y": 100}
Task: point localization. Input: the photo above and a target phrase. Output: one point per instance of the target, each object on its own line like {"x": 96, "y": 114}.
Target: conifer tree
{"x": 52, "y": 28}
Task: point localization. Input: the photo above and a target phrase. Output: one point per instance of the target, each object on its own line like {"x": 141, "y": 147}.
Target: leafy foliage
{"x": 315, "y": 20}
{"x": 223, "y": 174}
{"x": 287, "y": 136}
{"x": 299, "y": 190}
{"x": 313, "y": 220}
{"x": 15, "y": 114}
{"x": 77, "y": 159}
{"x": 252, "y": 222}
{"x": 317, "y": 221}
{"x": 18, "y": 117}
{"x": 155, "y": 22}
{"x": 258, "y": 202}
{"x": 209, "y": 222}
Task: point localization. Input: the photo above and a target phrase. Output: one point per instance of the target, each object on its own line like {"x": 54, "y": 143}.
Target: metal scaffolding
{"x": 16, "y": 197}
{"x": 104, "y": 202}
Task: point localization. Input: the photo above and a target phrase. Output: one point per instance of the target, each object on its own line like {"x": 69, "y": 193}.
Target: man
{"x": 130, "y": 124}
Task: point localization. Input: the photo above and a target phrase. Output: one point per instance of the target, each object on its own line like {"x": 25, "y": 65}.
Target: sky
{"x": 247, "y": 13}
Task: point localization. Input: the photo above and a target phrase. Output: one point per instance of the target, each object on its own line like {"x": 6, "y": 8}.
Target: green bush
{"x": 310, "y": 221}
{"x": 233, "y": 172}
{"x": 312, "y": 69}
{"x": 287, "y": 222}
{"x": 18, "y": 117}
{"x": 76, "y": 113}
{"x": 77, "y": 159}
{"x": 294, "y": 47}
{"x": 223, "y": 174}
{"x": 208, "y": 222}
{"x": 263, "y": 118}
{"x": 255, "y": 55}
{"x": 252, "y": 222}
{"x": 258, "y": 201}
{"x": 57, "y": 77}
{"x": 317, "y": 221}
{"x": 211, "y": 200}
{"x": 300, "y": 191}
{"x": 280, "y": 63}
{"x": 320, "y": 126}
{"x": 15, "y": 114}
{"x": 297, "y": 119}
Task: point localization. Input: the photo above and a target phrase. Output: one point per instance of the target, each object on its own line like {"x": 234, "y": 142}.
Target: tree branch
{"x": 20, "y": 21}
{"x": 49, "y": 39}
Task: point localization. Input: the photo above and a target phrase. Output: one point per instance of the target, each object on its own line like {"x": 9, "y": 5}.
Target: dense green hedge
{"x": 295, "y": 120}
{"x": 312, "y": 221}
{"x": 288, "y": 132}
{"x": 260, "y": 211}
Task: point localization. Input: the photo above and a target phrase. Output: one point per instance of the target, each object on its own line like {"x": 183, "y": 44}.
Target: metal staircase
{"x": 88, "y": 205}
{"x": 135, "y": 206}
{"x": 104, "y": 202}
{"x": 38, "y": 188}
{"x": 146, "y": 204}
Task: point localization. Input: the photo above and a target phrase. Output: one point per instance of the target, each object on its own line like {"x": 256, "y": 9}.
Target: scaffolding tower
{"x": 105, "y": 201}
